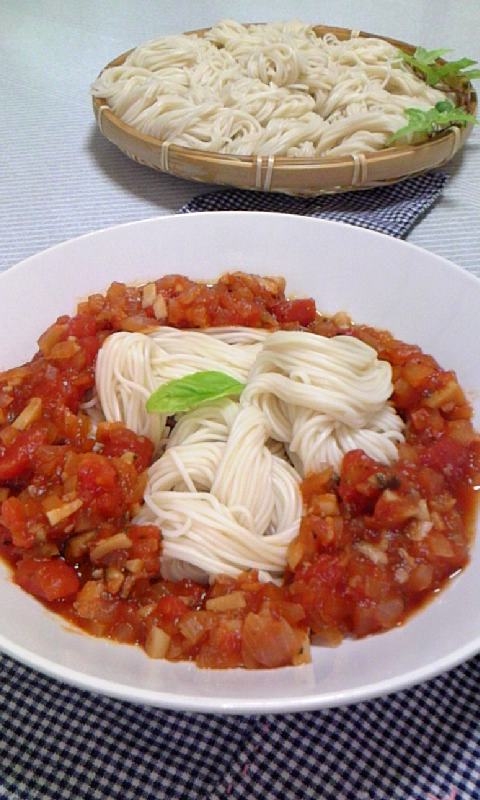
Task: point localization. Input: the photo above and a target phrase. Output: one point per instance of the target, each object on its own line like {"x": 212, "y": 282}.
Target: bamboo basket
{"x": 296, "y": 175}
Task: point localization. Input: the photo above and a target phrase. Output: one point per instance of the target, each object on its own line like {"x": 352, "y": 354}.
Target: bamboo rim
{"x": 299, "y": 176}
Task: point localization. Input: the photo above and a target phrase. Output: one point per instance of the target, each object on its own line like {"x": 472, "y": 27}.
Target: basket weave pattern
{"x": 294, "y": 176}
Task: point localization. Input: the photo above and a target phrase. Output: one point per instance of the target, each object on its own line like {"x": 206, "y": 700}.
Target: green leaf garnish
{"x": 184, "y": 394}
{"x": 426, "y": 123}
{"x": 450, "y": 73}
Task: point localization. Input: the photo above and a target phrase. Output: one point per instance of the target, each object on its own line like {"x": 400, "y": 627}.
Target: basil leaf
{"x": 185, "y": 394}
{"x": 425, "y": 62}
{"x": 426, "y": 123}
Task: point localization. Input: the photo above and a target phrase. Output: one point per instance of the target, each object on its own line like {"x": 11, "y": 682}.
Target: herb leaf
{"x": 184, "y": 394}
{"x": 425, "y": 62}
{"x": 426, "y": 123}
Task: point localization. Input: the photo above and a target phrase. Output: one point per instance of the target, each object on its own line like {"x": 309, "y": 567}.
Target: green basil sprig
{"x": 185, "y": 394}
{"x": 426, "y": 63}
{"x": 426, "y": 123}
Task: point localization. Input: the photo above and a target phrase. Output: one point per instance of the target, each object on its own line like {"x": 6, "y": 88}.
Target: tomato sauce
{"x": 375, "y": 542}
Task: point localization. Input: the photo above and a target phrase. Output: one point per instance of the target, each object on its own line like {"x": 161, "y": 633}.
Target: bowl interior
{"x": 378, "y": 280}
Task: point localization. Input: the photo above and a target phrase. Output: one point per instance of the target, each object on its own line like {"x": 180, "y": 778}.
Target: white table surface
{"x": 59, "y": 178}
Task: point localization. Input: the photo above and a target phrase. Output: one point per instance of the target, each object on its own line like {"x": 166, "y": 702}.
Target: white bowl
{"x": 420, "y": 297}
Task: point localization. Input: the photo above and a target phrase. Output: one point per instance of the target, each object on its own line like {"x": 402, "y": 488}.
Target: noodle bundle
{"x": 131, "y": 366}
{"x": 324, "y": 397}
{"x": 219, "y": 517}
{"x": 224, "y": 489}
{"x": 273, "y": 89}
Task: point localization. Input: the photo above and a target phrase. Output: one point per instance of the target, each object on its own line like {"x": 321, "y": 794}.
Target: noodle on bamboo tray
{"x": 286, "y": 107}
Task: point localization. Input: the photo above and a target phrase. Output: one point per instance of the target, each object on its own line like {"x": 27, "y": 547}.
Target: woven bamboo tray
{"x": 294, "y": 176}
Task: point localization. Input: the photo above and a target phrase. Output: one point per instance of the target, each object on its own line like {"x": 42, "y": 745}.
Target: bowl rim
{"x": 228, "y": 703}
{"x": 224, "y": 704}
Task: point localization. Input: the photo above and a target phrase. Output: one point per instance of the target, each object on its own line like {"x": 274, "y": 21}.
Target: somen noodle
{"x": 273, "y": 89}
{"x": 225, "y": 488}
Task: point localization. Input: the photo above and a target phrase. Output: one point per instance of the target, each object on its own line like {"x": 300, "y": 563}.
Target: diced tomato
{"x": 324, "y": 570}
{"x": 223, "y": 646}
{"x": 14, "y": 518}
{"x": 429, "y": 421}
{"x": 90, "y": 346}
{"x": 417, "y": 370}
{"x": 171, "y": 608}
{"x": 95, "y": 475}
{"x": 82, "y": 326}
{"x": 93, "y": 603}
{"x": 16, "y": 458}
{"x": 430, "y": 482}
{"x": 117, "y": 440}
{"x": 393, "y": 509}
{"x": 47, "y": 579}
{"x": 316, "y": 483}
{"x": 319, "y": 588}
{"x": 359, "y": 485}
{"x": 48, "y": 461}
{"x": 146, "y": 546}
{"x": 302, "y": 311}
{"x": 449, "y": 457}
{"x": 101, "y": 486}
